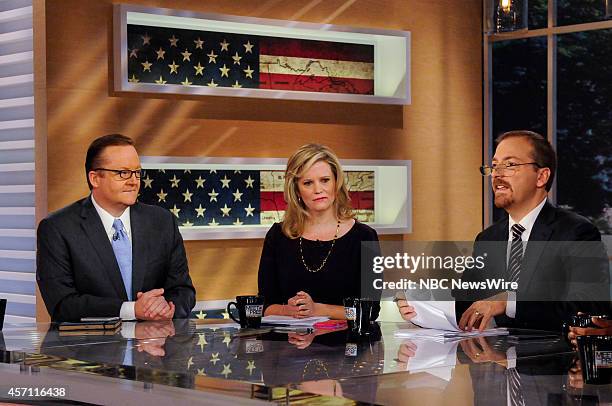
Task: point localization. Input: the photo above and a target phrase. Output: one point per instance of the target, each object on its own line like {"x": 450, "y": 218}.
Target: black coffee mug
{"x": 2, "y": 310}
{"x": 596, "y": 359}
{"x": 358, "y": 312}
{"x": 250, "y": 310}
{"x": 580, "y": 320}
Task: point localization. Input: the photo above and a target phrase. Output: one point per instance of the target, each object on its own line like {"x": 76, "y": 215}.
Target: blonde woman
{"x": 312, "y": 260}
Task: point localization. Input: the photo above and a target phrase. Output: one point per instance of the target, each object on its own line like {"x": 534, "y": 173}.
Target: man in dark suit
{"x": 107, "y": 255}
{"x": 563, "y": 268}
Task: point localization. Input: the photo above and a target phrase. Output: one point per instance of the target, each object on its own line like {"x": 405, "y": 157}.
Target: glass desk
{"x": 194, "y": 361}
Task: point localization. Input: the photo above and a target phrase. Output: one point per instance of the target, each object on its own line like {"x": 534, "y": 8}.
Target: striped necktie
{"x": 514, "y": 388}
{"x": 516, "y": 253}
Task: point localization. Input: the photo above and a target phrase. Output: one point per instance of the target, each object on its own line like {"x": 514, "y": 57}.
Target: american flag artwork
{"x": 228, "y": 197}
{"x": 160, "y": 55}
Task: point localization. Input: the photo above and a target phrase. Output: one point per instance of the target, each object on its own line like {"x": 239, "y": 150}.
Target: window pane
{"x": 538, "y": 14}
{"x": 519, "y": 87}
{"x": 584, "y": 125}
{"x": 579, "y": 11}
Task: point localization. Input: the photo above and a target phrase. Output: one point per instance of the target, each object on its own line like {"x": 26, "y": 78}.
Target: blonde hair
{"x": 301, "y": 161}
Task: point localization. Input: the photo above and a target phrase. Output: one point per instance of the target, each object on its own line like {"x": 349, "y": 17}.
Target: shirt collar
{"x": 108, "y": 219}
{"x": 528, "y": 221}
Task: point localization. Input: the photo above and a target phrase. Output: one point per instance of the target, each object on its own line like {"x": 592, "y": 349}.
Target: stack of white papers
{"x": 446, "y": 335}
{"x": 293, "y": 322}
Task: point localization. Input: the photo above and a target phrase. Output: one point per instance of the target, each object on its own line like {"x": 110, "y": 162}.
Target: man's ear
{"x": 94, "y": 178}
{"x": 543, "y": 176}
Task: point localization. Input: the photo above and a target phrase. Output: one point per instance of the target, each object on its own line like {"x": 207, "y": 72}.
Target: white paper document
{"x": 291, "y": 321}
{"x": 435, "y": 314}
{"x": 445, "y": 335}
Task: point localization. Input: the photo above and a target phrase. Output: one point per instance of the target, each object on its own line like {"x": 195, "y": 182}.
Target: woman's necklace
{"x": 326, "y": 256}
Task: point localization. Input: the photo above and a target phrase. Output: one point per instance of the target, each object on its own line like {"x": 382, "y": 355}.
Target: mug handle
{"x": 230, "y": 312}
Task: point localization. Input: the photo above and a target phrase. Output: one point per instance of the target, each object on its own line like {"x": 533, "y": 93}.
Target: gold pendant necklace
{"x": 326, "y": 256}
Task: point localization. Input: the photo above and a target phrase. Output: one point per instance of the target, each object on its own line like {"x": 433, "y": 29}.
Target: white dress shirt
{"x": 127, "y": 311}
{"x": 528, "y": 221}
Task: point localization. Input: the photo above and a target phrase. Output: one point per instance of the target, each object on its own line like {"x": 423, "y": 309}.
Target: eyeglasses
{"x": 508, "y": 169}
{"x": 124, "y": 174}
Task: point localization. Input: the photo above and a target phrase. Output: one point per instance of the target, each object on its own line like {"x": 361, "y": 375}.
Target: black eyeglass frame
{"x": 487, "y": 170}
{"x": 122, "y": 172}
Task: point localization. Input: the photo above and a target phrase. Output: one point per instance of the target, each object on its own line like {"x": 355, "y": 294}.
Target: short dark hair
{"x": 543, "y": 153}
{"x": 97, "y": 147}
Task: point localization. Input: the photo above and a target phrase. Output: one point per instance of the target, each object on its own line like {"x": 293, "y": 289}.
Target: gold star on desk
{"x": 237, "y": 222}
{"x": 227, "y": 340}
{"x": 224, "y": 45}
{"x": 175, "y": 210}
{"x": 249, "y": 182}
{"x": 200, "y": 210}
{"x": 201, "y": 372}
{"x": 199, "y": 69}
{"x": 175, "y": 181}
{"x": 212, "y": 83}
{"x": 251, "y": 366}
{"x": 224, "y": 71}
{"x": 146, "y": 40}
{"x": 225, "y": 210}
{"x": 202, "y": 341}
{"x": 225, "y": 182}
{"x": 213, "y": 171}
{"x": 237, "y": 171}
{"x": 226, "y": 370}
{"x": 187, "y": 224}
{"x": 200, "y": 182}
{"x": 249, "y": 72}
{"x": 162, "y": 196}
{"x": 160, "y": 81}
{"x": 187, "y": 171}
{"x": 174, "y": 67}
{"x": 161, "y": 170}
{"x": 236, "y": 85}
{"x": 198, "y": 43}
{"x": 213, "y": 223}
{"x": 186, "y": 82}
{"x": 189, "y": 362}
{"x": 173, "y": 41}
{"x": 201, "y": 315}
{"x": 186, "y": 55}
{"x": 160, "y": 53}
{"x": 225, "y": 317}
{"x": 249, "y": 210}
{"x": 147, "y": 182}
{"x": 212, "y": 57}
{"x": 237, "y": 196}
{"x": 134, "y": 53}
{"x": 213, "y": 195}
{"x": 146, "y": 66}
{"x": 236, "y": 58}
{"x": 133, "y": 79}
{"x": 187, "y": 196}
{"x": 248, "y": 47}
{"x": 214, "y": 358}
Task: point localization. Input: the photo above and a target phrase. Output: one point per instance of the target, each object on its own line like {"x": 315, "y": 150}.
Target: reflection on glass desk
{"x": 193, "y": 357}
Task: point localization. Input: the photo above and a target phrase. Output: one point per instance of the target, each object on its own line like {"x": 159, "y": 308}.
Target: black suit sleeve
{"x": 55, "y": 278}
{"x": 178, "y": 287}
{"x": 267, "y": 279}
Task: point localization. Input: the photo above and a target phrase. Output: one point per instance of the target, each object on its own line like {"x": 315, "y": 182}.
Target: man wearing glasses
{"x": 557, "y": 275}
{"x": 107, "y": 255}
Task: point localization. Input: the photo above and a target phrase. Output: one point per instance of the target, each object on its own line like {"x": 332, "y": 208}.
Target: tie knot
{"x": 118, "y": 225}
{"x": 517, "y": 231}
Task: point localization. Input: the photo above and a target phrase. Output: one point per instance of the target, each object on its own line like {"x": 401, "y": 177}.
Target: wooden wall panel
{"x": 440, "y": 131}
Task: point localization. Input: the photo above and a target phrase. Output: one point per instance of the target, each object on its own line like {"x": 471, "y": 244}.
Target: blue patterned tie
{"x": 123, "y": 252}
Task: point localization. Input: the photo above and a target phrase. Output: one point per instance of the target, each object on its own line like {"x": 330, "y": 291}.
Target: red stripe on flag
{"x": 362, "y": 200}
{"x": 272, "y": 201}
{"x": 315, "y": 83}
{"x": 338, "y": 51}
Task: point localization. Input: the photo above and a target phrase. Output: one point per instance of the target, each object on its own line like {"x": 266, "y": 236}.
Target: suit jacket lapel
{"x": 92, "y": 225}
{"x": 138, "y": 224}
{"x": 541, "y": 231}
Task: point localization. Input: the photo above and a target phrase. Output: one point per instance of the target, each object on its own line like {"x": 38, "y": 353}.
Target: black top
{"x": 282, "y": 274}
